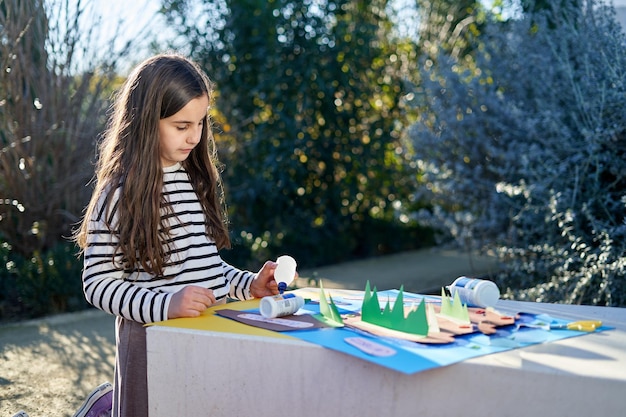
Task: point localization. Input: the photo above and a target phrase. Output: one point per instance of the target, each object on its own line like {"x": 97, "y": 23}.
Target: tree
{"x": 524, "y": 154}
{"x": 449, "y": 25}
{"x": 53, "y": 100}
{"x": 49, "y": 120}
{"x": 311, "y": 95}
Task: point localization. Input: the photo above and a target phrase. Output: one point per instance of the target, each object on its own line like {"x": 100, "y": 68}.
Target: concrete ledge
{"x": 193, "y": 372}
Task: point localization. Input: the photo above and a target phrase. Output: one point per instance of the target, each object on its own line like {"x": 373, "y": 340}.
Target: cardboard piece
{"x": 278, "y": 324}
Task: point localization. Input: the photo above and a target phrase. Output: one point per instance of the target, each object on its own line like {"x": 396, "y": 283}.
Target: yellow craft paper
{"x": 212, "y": 322}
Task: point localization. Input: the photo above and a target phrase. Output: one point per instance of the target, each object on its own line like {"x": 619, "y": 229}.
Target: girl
{"x": 154, "y": 225}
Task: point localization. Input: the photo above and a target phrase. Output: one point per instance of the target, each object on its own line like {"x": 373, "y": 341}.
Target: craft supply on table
{"x": 280, "y": 305}
{"x": 451, "y": 337}
{"x": 285, "y": 272}
{"x": 475, "y": 292}
{"x": 546, "y": 322}
{"x": 580, "y": 326}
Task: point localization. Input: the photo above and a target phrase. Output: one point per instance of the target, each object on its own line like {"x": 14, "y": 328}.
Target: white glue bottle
{"x": 475, "y": 292}
{"x": 280, "y": 305}
{"x": 285, "y": 271}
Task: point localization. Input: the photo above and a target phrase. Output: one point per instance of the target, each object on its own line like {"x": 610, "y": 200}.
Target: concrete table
{"x": 219, "y": 373}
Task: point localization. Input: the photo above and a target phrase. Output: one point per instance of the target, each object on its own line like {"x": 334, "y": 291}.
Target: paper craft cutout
{"x": 281, "y": 324}
{"x": 403, "y": 360}
{"x": 370, "y": 347}
{"x": 292, "y": 324}
{"x": 442, "y": 321}
{"x": 210, "y": 321}
{"x": 355, "y": 322}
{"x": 409, "y": 357}
{"x": 488, "y": 319}
{"x": 456, "y": 310}
{"x": 424, "y": 356}
{"x": 329, "y": 314}
{"x": 433, "y": 324}
{"x": 415, "y": 322}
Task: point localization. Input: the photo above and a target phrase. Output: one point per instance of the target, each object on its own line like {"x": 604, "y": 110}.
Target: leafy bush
{"x": 53, "y": 97}
{"x": 523, "y": 145}
{"x": 374, "y": 238}
{"x": 311, "y": 121}
{"x": 43, "y": 283}
{"x": 53, "y": 104}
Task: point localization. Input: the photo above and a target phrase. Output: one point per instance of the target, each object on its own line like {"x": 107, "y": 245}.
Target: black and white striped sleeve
{"x": 240, "y": 282}
{"x": 104, "y": 283}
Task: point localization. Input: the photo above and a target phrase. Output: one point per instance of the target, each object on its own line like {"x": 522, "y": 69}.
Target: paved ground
{"x": 48, "y": 366}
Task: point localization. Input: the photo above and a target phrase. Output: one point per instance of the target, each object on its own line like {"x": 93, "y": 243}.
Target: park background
{"x": 346, "y": 130}
{"x": 405, "y": 142}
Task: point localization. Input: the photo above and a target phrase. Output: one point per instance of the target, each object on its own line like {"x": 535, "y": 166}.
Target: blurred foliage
{"x": 516, "y": 147}
{"x": 523, "y": 148}
{"x": 53, "y": 101}
{"x": 44, "y": 283}
{"x": 312, "y": 143}
{"x": 50, "y": 117}
{"x": 451, "y": 26}
{"x": 312, "y": 117}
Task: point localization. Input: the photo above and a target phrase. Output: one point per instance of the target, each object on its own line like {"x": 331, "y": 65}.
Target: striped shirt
{"x": 193, "y": 260}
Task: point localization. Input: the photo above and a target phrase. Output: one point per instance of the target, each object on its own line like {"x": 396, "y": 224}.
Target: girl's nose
{"x": 194, "y": 135}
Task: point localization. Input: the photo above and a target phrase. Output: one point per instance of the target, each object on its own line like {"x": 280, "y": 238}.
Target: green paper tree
{"x": 328, "y": 312}
{"x": 415, "y": 322}
{"x": 455, "y": 309}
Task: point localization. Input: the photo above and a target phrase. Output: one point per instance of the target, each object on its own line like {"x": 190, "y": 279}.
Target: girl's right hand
{"x": 191, "y": 301}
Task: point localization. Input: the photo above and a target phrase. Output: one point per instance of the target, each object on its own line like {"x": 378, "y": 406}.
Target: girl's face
{"x": 180, "y": 133}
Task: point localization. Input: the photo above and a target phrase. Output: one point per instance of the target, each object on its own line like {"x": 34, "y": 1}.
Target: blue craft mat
{"x": 333, "y": 338}
{"x": 414, "y": 357}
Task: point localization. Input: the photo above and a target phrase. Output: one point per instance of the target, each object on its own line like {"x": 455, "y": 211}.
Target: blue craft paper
{"x": 403, "y": 361}
{"x": 414, "y": 357}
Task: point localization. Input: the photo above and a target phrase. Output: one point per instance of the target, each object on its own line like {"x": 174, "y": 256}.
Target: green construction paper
{"x": 415, "y": 321}
{"x": 433, "y": 324}
{"x": 328, "y": 312}
{"x": 370, "y": 309}
{"x": 455, "y": 310}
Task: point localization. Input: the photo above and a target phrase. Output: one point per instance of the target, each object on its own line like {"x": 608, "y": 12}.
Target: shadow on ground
{"x": 48, "y": 366}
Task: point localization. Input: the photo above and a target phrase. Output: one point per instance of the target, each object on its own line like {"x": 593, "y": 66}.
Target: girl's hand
{"x": 191, "y": 301}
{"x": 264, "y": 283}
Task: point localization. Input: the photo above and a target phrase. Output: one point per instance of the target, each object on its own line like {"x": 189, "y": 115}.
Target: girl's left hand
{"x": 264, "y": 283}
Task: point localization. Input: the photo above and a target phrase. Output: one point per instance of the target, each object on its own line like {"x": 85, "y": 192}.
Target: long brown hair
{"x": 129, "y": 158}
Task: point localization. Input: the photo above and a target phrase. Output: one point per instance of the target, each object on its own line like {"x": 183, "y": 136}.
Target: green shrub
{"x": 524, "y": 150}
{"x": 45, "y": 283}
{"x": 311, "y": 113}
{"x": 54, "y": 88}
{"x": 317, "y": 246}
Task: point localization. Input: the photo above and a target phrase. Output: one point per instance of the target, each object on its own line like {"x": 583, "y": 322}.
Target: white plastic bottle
{"x": 285, "y": 271}
{"x": 475, "y": 292}
{"x": 280, "y": 305}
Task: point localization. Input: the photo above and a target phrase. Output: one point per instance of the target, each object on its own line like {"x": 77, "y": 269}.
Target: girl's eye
{"x": 181, "y": 128}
